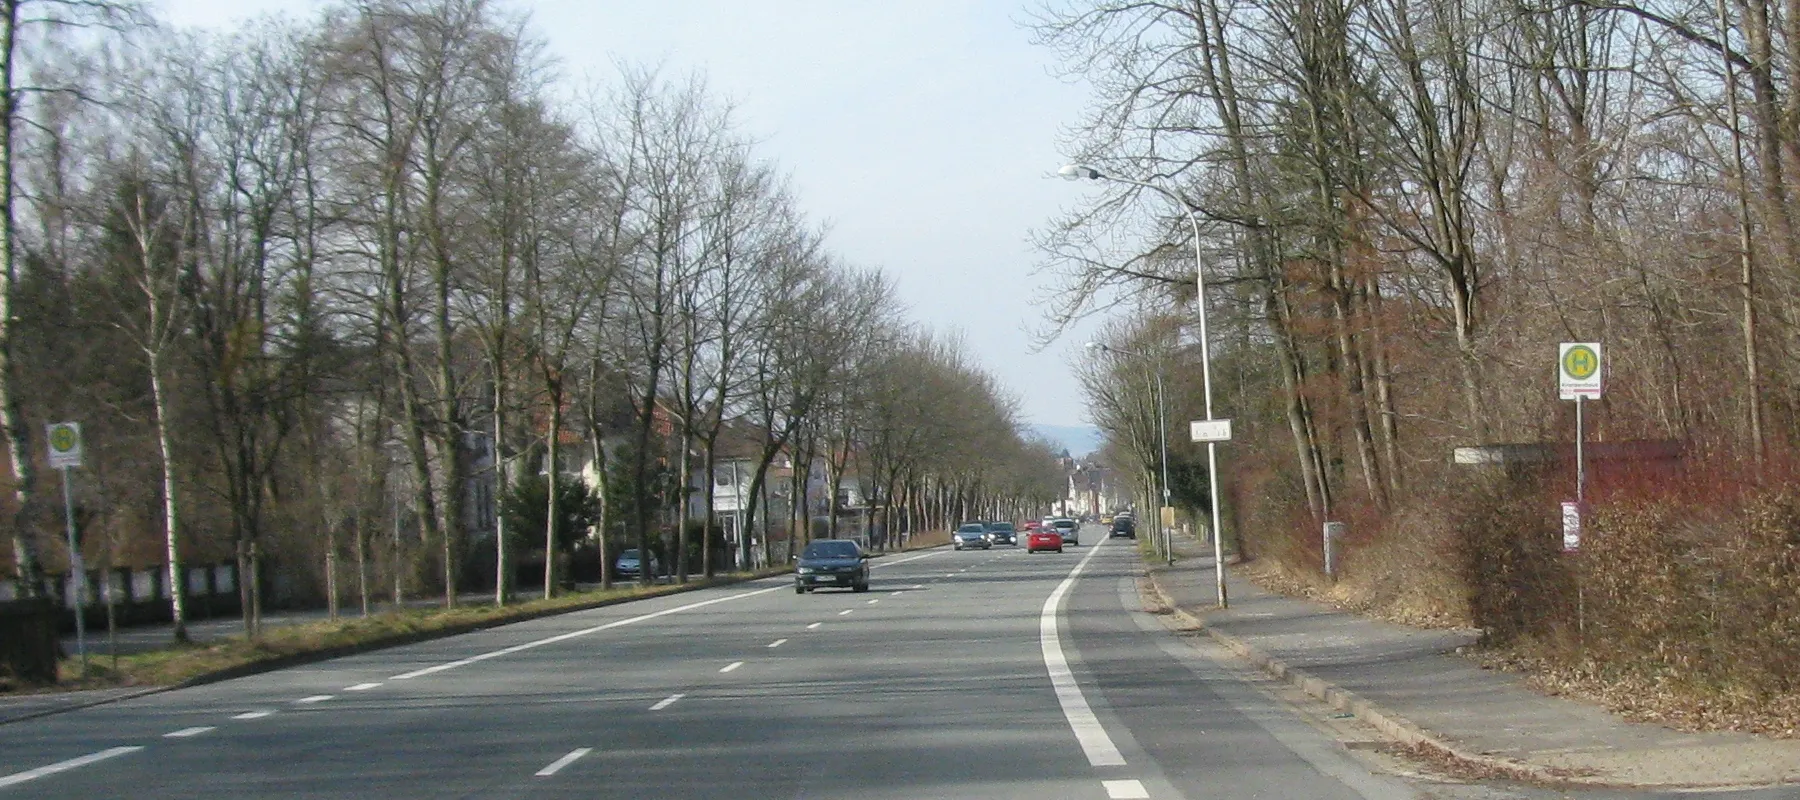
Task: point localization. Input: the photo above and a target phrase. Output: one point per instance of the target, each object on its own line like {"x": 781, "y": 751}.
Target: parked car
{"x": 1043, "y": 539}
{"x": 971, "y": 535}
{"x": 832, "y": 562}
{"x": 1002, "y": 533}
{"x": 1123, "y": 526}
{"x": 1070, "y": 530}
{"x": 630, "y": 564}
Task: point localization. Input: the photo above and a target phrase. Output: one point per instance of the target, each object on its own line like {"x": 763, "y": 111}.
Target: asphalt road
{"x": 977, "y": 674}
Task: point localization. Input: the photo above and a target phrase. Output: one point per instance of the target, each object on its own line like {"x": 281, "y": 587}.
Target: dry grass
{"x": 183, "y": 663}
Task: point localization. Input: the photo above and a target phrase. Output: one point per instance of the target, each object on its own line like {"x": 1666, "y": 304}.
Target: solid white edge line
{"x": 557, "y": 765}
{"x": 64, "y": 766}
{"x": 362, "y": 687}
{"x": 252, "y": 715}
{"x": 1126, "y": 790}
{"x": 666, "y": 702}
{"x": 185, "y": 733}
{"x": 731, "y": 666}
{"x": 563, "y": 637}
{"x": 1095, "y": 743}
{"x": 777, "y": 643}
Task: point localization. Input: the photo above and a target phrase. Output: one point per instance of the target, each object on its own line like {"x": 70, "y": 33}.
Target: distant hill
{"x": 1078, "y": 439}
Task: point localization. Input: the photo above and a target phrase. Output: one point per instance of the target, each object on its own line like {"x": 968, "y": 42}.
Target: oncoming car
{"x": 971, "y": 534}
{"x": 1002, "y": 533}
{"x": 832, "y": 562}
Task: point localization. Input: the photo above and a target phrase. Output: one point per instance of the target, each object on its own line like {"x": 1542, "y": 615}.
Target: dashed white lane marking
{"x": 666, "y": 702}
{"x": 1099, "y": 747}
{"x": 362, "y": 687}
{"x": 186, "y": 733}
{"x": 814, "y": 626}
{"x": 895, "y": 594}
{"x": 731, "y": 666}
{"x": 777, "y": 643}
{"x": 949, "y": 574}
{"x": 1126, "y": 790}
{"x": 317, "y": 698}
{"x": 557, "y": 765}
{"x": 418, "y": 673}
{"x": 252, "y": 715}
{"x": 63, "y": 766}
{"x": 845, "y": 611}
{"x": 876, "y": 600}
{"x": 918, "y": 586}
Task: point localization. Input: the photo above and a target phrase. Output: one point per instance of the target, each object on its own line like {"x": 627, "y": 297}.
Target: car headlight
{"x": 807, "y": 570}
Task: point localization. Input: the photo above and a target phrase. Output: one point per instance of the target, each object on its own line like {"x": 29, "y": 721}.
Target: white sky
{"x": 921, "y": 131}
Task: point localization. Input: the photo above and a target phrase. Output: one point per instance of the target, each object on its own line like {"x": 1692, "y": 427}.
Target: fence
{"x": 139, "y": 595}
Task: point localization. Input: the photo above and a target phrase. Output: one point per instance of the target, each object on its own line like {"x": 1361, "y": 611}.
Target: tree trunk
{"x": 171, "y": 519}
{"x": 681, "y": 512}
{"x": 12, "y": 412}
{"x": 551, "y": 453}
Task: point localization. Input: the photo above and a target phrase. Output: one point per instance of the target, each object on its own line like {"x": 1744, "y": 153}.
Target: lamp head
{"x": 1076, "y": 172}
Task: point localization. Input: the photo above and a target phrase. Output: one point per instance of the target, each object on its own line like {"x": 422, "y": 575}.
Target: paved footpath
{"x": 1409, "y": 682}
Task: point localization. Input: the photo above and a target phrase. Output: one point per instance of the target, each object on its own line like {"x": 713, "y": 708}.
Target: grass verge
{"x": 288, "y": 645}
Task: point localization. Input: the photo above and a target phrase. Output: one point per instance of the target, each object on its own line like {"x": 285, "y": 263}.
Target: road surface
{"x": 976, "y": 674}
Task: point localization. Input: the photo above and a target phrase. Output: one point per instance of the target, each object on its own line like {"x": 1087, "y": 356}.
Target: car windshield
{"x": 1065, "y": 523}
{"x": 1003, "y": 526}
{"x": 972, "y": 528}
{"x": 830, "y": 549}
{"x": 629, "y": 554}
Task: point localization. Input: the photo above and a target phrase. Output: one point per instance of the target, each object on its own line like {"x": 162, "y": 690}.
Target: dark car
{"x": 1002, "y": 533}
{"x": 1123, "y": 526}
{"x": 832, "y": 562}
{"x": 971, "y": 534}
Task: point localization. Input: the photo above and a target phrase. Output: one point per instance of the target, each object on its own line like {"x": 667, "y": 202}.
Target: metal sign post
{"x": 65, "y": 454}
{"x": 1580, "y": 377}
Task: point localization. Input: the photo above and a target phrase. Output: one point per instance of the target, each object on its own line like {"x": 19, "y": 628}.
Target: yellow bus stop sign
{"x": 65, "y": 444}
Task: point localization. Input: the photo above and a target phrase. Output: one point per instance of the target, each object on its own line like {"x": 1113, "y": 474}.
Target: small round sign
{"x": 63, "y": 438}
{"x": 1581, "y": 362}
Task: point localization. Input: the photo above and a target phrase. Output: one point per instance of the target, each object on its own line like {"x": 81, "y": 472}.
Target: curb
{"x": 1390, "y": 724}
{"x": 398, "y": 640}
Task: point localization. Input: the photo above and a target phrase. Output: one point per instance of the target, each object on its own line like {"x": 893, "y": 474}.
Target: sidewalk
{"x": 1407, "y": 682}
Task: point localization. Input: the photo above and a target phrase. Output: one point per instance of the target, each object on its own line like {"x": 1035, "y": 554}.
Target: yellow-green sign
{"x": 65, "y": 444}
{"x": 1579, "y": 370}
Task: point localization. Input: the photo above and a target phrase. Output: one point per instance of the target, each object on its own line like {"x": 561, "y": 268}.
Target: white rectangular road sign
{"x": 1579, "y": 370}
{"x": 1571, "y": 519}
{"x": 65, "y": 444}
{"x": 1216, "y": 430}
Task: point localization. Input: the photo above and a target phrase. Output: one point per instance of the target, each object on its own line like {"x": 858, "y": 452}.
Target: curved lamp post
{"x": 1079, "y": 172}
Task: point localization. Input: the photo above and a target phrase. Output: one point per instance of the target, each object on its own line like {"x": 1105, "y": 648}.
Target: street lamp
{"x": 1162, "y": 435}
{"x": 1080, "y": 171}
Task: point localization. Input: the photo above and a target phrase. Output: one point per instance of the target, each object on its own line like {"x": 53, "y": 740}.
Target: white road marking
{"x": 666, "y": 702}
{"x": 1126, "y": 790}
{"x": 317, "y": 698}
{"x": 185, "y": 733}
{"x": 880, "y": 564}
{"x": 876, "y": 600}
{"x": 777, "y": 643}
{"x": 1099, "y": 747}
{"x": 557, "y": 765}
{"x": 63, "y": 766}
{"x": 252, "y": 715}
{"x": 814, "y": 626}
{"x": 731, "y": 666}
{"x": 949, "y": 574}
{"x": 362, "y": 687}
{"x": 845, "y": 611}
{"x": 895, "y": 594}
{"x": 517, "y": 648}
{"x": 918, "y": 586}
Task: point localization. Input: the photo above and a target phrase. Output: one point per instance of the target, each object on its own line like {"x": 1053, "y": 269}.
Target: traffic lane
{"x": 538, "y": 677}
{"x": 29, "y": 745}
{"x": 1205, "y": 733}
{"x": 52, "y": 737}
{"x": 940, "y": 695}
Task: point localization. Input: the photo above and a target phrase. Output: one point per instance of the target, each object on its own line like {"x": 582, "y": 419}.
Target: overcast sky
{"x": 922, "y": 132}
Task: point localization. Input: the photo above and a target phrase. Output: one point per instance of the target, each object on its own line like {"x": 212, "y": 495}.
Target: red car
{"x": 1043, "y": 539}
